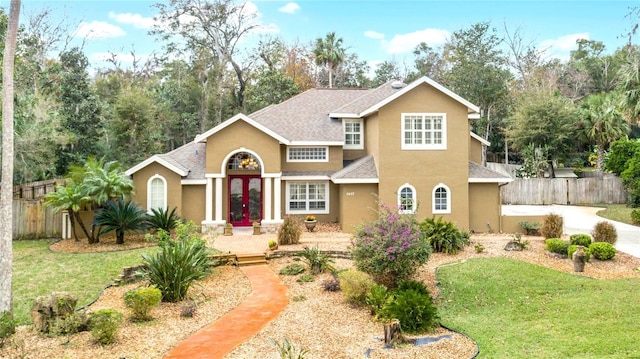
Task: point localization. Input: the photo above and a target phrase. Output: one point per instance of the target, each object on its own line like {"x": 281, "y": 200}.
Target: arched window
{"x": 407, "y": 198}
{"x": 156, "y": 192}
{"x": 441, "y": 199}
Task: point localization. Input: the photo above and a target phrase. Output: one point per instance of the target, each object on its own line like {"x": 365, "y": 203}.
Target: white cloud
{"x": 561, "y": 47}
{"x": 374, "y": 35}
{"x": 290, "y": 8}
{"x": 98, "y": 30}
{"x": 405, "y": 43}
{"x": 136, "y": 20}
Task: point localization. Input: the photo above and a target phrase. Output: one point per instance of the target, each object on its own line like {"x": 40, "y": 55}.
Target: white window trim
{"x": 359, "y": 146}
{"x": 326, "y": 149}
{"x": 164, "y": 181}
{"x": 441, "y": 146}
{"x": 433, "y": 199}
{"x": 415, "y": 198}
{"x": 307, "y": 211}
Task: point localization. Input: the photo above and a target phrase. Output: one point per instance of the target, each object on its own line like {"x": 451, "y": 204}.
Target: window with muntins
{"x": 307, "y": 154}
{"x": 407, "y": 199}
{"x": 307, "y": 197}
{"x": 157, "y": 192}
{"x": 441, "y": 199}
{"x": 424, "y": 131}
{"x": 353, "y": 132}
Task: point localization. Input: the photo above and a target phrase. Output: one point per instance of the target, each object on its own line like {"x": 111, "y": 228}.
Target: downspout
{"x": 500, "y": 185}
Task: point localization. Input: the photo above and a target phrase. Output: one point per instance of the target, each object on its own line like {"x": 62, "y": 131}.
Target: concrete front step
{"x": 248, "y": 259}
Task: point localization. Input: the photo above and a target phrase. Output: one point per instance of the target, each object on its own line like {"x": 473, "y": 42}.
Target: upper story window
{"x": 424, "y": 131}
{"x": 307, "y": 154}
{"x": 156, "y": 192}
{"x": 441, "y": 199}
{"x": 353, "y": 134}
{"x": 407, "y": 198}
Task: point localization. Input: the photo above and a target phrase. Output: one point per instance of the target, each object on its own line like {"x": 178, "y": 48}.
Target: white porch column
{"x": 208, "y": 209}
{"x": 267, "y": 199}
{"x": 277, "y": 199}
{"x": 218, "y": 199}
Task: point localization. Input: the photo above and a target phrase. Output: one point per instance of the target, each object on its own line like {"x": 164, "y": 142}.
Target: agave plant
{"x": 161, "y": 218}
{"x": 121, "y": 216}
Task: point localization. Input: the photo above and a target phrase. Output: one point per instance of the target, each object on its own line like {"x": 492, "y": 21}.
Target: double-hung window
{"x": 407, "y": 198}
{"x": 441, "y": 199}
{"x": 424, "y": 131}
{"x": 353, "y": 134}
{"x": 307, "y": 197}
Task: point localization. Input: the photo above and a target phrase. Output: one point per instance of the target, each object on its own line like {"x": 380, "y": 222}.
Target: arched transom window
{"x": 243, "y": 161}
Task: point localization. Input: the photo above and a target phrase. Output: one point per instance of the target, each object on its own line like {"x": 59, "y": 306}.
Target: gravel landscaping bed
{"x": 316, "y": 320}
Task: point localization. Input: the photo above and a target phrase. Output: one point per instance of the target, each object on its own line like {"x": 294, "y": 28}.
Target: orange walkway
{"x": 267, "y": 299}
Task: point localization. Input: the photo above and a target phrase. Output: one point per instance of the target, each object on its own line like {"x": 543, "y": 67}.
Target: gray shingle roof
{"x": 483, "y": 174}
{"x": 306, "y": 117}
{"x": 190, "y": 157}
{"x": 361, "y": 169}
{"x": 369, "y": 99}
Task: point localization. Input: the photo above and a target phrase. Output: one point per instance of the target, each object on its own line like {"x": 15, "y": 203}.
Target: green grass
{"x": 514, "y": 309}
{"x": 38, "y": 271}
{"x": 616, "y": 212}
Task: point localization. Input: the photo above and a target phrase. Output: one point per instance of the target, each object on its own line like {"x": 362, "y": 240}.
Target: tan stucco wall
{"x": 511, "y": 224}
{"x": 372, "y": 136}
{"x": 174, "y": 191}
{"x": 357, "y": 205}
{"x": 484, "y": 207}
{"x": 193, "y": 203}
{"x": 424, "y": 169}
{"x": 475, "y": 150}
{"x": 334, "y": 163}
{"x": 237, "y": 135}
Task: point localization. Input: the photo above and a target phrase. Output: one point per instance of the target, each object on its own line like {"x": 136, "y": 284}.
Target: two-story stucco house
{"x": 332, "y": 153}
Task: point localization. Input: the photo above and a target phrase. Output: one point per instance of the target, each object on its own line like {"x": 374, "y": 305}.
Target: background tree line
{"x": 531, "y": 104}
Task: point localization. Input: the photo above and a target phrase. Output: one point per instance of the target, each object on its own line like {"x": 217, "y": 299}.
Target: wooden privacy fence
{"x": 573, "y": 191}
{"x": 32, "y": 220}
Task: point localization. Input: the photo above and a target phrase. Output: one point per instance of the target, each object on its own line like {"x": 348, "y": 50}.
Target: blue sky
{"x": 376, "y": 30}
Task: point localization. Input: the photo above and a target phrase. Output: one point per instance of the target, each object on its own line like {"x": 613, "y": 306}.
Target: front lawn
{"x": 514, "y": 309}
{"x": 616, "y": 212}
{"x": 38, "y": 271}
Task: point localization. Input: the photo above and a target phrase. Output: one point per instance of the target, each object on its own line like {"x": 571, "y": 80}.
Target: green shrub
{"x": 292, "y": 269}
{"x": 73, "y": 323}
{"x": 288, "y": 350}
{"x": 355, "y": 285}
{"x": 161, "y": 218}
{"x": 415, "y": 310}
{"x": 121, "y": 217}
{"x": 305, "y": 278}
{"x": 605, "y": 232}
{"x": 557, "y": 245}
{"x": 443, "y": 236}
{"x": 552, "y": 226}
{"x": 290, "y": 231}
{"x": 377, "y": 299}
{"x": 574, "y": 247}
{"x": 602, "y": 250}
{"x": 580, "y": 240}
{"x": 7, "y": 326}
{"x": 141, "y": 301}
{"x": 635, "y": 216}
{"x": 391, "y": 248}
{"x": 317, "y": 261}
{"x": 178, "y": 263}
{"x": 530, "y": 228}
{"x": 413, "y": 285}
{"x": 105, "y": 324}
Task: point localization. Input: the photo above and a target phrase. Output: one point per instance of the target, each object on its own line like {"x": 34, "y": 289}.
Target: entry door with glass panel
{"x": 245, "y": 200}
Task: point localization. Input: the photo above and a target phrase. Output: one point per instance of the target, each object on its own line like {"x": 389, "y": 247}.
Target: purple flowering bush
{"x": 390, "y": 248}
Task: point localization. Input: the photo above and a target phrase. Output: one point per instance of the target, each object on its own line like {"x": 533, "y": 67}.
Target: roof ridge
{"x": 368, "y": 93}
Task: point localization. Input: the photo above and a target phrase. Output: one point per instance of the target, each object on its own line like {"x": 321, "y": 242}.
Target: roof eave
{"x": 490, "y": 180}
{"x": 203, "y": 137}
{"x": 161, "y": 161}
{"x": 355, "y": 180}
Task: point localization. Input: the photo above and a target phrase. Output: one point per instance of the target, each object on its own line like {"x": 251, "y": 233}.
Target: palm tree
{"x": 329, "y": 51}
{"x": 71, "y": 198}
{"x": 629, "y": 75}
{"x": 602, "y": 123}
{"x": 121, "y": 217}
{"x": 104, "y": 181}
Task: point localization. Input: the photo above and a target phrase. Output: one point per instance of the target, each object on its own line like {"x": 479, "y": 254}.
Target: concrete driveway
{"x": 582, "y": 220}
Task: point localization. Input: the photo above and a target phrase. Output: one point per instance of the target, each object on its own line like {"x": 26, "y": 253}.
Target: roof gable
{"x": 241, "y": 117}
